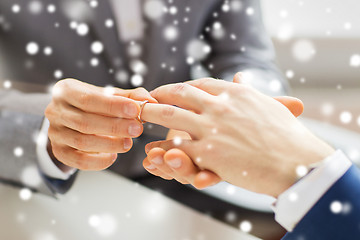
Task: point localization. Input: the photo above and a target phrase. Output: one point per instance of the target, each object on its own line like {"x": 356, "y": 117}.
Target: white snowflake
{"x": 301, "y": 171}
{"x": 275, "y": 85}
{"x": 153, "y": 9}
{"x": 236, "y": 5}
{"x": 137, "y": 80}
{"x": 58, "y": 74}
{"x": 35, "y": 7}
{"x": 48, "y": 51}
{"x": 250, "y": 11}
{"x": 345, "y": 117}
{"x": 97, "y": 47}
{"x": 51, "y": 8}
{"x": 7, "y": 84}
{"x": 293, "y": 197}
{"x": 327, "y": 109}
{"x": 173, "y": 10}
{"x": 197, "y": 49}
{"x": 109, "y": 90}
{"x": 73, "y": 24}
{"x": 303, "y": 50}
{"x": 30, "y": 176}
{"x": 94, "y": 3}
{"x": 109, "y": 23}
{"x": 94, "y": 62}
{"x": 290, "y": 74}
{"x": 230, "y": 190}
{"x": 82, "y": 29}
{"x": 355, "y": 60}
{"x": 245, "y": 226}
{"x": 18, "y": 152}
{"x": 25, "y": 194}
{"x": 225, "y": 7}
{"x": 230, "y": 217}
{"x": 347, "y": 26}
{"x": 177, "y": 141}
{"x": 171, "y": 33}
{"x": 16, "y": 8}
{"x": 138, "y": 67}
{"x": 285, "y": 32}
{"x": 122, "y": 76}
{"x": 218, "y": 31}
{"x": 336, "y": 207}
{"x": 32, "y": 48}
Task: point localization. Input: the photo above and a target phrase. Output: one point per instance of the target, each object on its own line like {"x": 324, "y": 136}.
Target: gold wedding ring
{"x": 142, "y": 105}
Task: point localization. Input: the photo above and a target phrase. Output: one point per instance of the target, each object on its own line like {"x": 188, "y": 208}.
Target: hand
{"x": 245, "y": 137}
{"x": 166, "y": 164}
{"x": 175, "y": 164}
{"x": 89, "y": 126}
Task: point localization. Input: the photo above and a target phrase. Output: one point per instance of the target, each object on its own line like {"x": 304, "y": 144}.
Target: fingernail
{"x": 130, "y": 110}
{"x": 134, "y": 130}
{"x": 147, "y": 148}
{"x": 157, "y": 160}
{"x": 175, "y": 163}
{"x": 151, "y": 167}
{"x": 127, "y": 143}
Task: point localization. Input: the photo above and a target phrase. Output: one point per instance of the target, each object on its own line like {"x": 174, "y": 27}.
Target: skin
{"x": 238, "y": 134}
{"x": 89, "y": 127}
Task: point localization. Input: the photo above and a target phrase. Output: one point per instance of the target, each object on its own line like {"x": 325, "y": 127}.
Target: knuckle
{"x": 79, "y": 142}
{"x": 178, "y": 89}
{"x": 84, "y": 98}
{"x": 81, "y": 124}
{"x": 116, "y": 129}
{"x": 111, "y": 104}
{"x": 167, "y": 112}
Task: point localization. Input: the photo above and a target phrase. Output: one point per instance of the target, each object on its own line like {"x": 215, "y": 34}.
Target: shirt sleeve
{"x": 47, "y": 166}
{"x": 293, "y": 204}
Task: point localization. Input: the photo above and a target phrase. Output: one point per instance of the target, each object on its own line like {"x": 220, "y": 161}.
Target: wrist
{"x": 298, "y": 162}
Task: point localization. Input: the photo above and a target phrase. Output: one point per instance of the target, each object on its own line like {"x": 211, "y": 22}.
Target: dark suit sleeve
{"x": 321, "y": 223}
{"x": 244, "y": 46}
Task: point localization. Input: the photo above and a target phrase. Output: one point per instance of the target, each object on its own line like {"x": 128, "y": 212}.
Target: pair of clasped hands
{"x": 219, "y": 131}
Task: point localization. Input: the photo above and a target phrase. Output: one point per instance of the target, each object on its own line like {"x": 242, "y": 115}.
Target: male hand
{"x": 89, "y": 125}
{"x": 175, "y": 164}
{"x": 242, "y": 135}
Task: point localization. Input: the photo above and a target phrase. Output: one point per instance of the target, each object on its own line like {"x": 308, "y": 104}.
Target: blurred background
{"x": 318, "y": 49}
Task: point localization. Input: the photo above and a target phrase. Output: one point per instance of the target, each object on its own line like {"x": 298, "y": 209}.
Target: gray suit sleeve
{"x": 21, "y": 117}
{"x": 245, "y": 46}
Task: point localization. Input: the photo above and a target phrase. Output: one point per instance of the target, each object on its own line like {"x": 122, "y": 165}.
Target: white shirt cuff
{"x": 293, "y": 204}
{"x": 47, "y": 166}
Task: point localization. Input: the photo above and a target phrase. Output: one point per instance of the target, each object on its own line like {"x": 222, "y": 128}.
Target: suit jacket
{"x": 22, "y": 113}
{"x": 321, "y": 223}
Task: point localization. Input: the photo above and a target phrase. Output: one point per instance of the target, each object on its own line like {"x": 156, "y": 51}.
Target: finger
{"x": 238, "y": 77}
{"x": 212, "y": 86}
{"x": 89, "y": 142}
{"x": 173, "y": 117}
{"x": 156, "y": 157}
{"x": 151, "y": 168}
{"x": 181, "y": 164}
{"x": 187, "y": 146}
{"x": 182, "y": 95}
{"x": 83, "y": 160}
{"x": 89, "y": 123}
{"x": 93, "y": 100}
{"x": 205, "y": 179}
{"x": 295, "y": 105}
{"x": 139, "y": 94}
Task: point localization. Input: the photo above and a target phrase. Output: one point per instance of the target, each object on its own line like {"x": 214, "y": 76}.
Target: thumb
{"x": 295, "y": 105}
